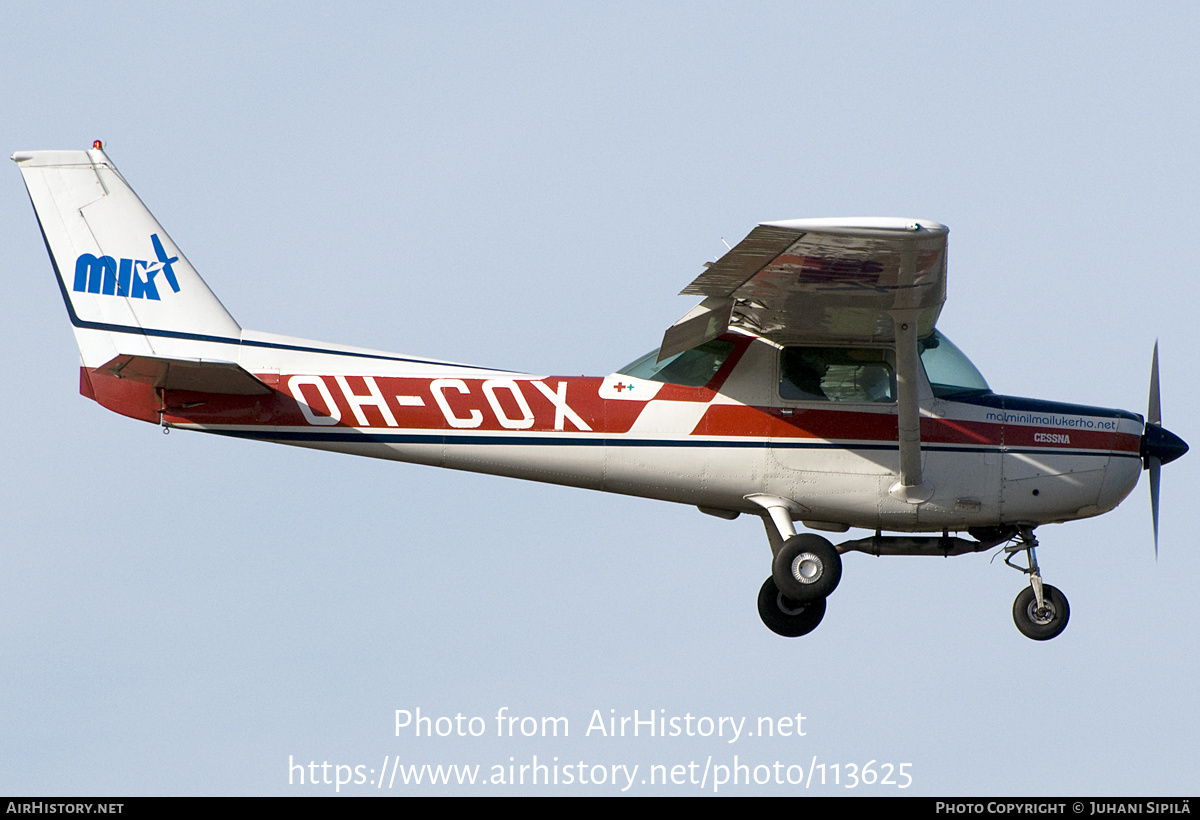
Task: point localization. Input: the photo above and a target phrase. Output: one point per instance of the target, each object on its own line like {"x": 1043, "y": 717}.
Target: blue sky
{"x": 528, "y": 187}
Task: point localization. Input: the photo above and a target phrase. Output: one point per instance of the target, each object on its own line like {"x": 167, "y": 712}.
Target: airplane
{"x": 810, "y": 384}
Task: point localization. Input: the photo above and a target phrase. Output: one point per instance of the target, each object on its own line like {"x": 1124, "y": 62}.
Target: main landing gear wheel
{"x": 807, "y": 568}
{"x": 786, "y": 617}
{"x": 1045, "y": 622}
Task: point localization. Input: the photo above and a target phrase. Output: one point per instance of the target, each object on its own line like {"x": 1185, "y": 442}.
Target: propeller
{"x": 1159, "y": 446}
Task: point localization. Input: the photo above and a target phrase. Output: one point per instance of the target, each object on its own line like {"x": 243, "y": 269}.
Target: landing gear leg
{"x": 805, "y": 569}
{"x": 1040, "y": 612}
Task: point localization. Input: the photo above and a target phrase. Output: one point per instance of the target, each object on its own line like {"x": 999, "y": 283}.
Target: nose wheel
{"x": 1041, "y": 621}
{"x": 1040, "y": 611}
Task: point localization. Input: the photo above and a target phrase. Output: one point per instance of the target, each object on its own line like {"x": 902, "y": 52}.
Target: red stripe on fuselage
{"x": 845, "y": 424}
{"x": 778, "y": 422}
{"x": 497, "y": 409}
{"x": 454, "y": 404}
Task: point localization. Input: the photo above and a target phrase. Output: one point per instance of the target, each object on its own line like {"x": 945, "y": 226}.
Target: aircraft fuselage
{"x": 989, "y": 459}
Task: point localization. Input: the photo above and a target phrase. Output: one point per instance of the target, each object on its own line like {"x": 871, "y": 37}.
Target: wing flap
{"x": 703, "y": 323}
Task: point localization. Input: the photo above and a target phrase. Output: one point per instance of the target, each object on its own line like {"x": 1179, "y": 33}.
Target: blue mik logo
{"x": 133, "y": 278}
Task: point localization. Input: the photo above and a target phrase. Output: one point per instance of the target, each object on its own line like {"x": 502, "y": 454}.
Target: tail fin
{"x": 129, "y": 290}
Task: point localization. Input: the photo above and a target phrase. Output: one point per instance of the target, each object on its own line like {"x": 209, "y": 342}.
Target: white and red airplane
{"x": 809, "y": 385}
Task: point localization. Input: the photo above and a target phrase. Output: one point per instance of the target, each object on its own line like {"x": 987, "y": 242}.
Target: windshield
{"x": 950, "y": 372}
{"x": 691, "y": 368}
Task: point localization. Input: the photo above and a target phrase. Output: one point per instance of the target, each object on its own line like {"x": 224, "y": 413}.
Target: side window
{"x": 837, "y": 374}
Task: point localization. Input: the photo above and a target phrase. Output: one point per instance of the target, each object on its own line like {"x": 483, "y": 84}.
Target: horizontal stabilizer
{"x": 196, "y": 375}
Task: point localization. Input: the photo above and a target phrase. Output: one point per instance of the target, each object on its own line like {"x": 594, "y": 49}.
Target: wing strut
{"x": 910, "y": 487}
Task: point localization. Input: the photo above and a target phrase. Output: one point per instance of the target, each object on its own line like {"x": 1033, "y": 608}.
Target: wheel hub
{"x": 807, "y": 568}
{"x": 1042, "y": 615}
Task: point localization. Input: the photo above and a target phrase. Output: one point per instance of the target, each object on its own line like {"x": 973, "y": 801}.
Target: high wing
{"x": 820, "y": 280}
{"x": 816, "y": 281}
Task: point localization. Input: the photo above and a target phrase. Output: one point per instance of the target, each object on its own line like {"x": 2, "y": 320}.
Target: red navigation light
{"x": 98, "y": 145}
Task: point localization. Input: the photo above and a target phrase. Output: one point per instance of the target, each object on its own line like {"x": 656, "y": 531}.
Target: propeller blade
{"x": 1152, "y": 461}
{"x": 1154, "y": 407}
{"x": 1155, "y": 468}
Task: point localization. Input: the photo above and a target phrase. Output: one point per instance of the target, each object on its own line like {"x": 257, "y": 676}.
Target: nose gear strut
{"x": 1040, "y": 611}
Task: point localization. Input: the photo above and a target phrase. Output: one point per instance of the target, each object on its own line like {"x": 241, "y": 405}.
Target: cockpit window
{"x": 691, "y": 368}
{"x": 837, "y": 374}
{"x": 950, "y": 372}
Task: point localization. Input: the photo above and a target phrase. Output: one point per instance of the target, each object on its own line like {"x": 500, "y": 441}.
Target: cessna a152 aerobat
{"x": 810, "y": 384}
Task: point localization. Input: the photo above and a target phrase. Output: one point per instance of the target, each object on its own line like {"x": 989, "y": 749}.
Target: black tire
{"x": 1041, "y": 626}
{"x": 807, "y": 568}
{"x": 786, "y": 617}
